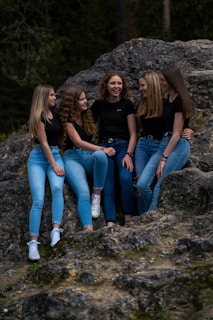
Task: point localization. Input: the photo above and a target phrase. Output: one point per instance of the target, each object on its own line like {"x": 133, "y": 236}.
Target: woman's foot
{"x": 33, "y": 250}
{"x": 110, "y": 224}
{"x": 95, "y": 206}
{"x": 55, "y": 236}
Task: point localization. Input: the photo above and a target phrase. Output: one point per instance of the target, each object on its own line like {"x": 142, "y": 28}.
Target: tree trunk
{"x": 121, "y": 21}
{"x": 166, "y": 20}
{"x": 132, "y": 19}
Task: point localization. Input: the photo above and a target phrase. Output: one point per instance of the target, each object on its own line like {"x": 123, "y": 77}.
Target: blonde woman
{"x": 44, "y": 162}
{"x": 150, "y": 125}
{"x": 174, "y": 149}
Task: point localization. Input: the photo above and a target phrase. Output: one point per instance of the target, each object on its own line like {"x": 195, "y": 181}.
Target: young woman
{"x": 174, "y": 150}
{"x": 44, "y": 161}
{"x": 151, "y": 126}
{"x": 81, "y": 156}
{"x": 115, "y": 115}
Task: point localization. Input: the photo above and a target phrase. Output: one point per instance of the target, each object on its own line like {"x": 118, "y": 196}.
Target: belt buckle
{"x": 110, "y": 140}
{"x": 150, "y": 137}
{"x": 166, "y": 134}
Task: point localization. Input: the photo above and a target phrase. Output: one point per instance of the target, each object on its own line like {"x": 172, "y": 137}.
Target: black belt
{"x": 112, "y": 140}
{"x": 151, "y": 137}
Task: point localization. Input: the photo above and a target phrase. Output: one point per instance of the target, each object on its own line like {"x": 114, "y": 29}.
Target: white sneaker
{"x": 33, "y": 250}
{"x": 55, "y": 236}
{"x": 95, "y": 206}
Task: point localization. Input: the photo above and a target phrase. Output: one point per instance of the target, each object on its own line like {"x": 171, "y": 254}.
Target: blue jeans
{"x": 38, "y": 169}
{"x": 177, "y": 159}
{"x": 79, "y": 165}
{"x": 145, "y": 148}
{"x": 125, "y": 181}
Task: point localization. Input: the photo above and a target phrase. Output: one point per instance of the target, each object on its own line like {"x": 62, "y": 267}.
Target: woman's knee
{"x": 141, "y": 186}
{"x": 38, "y": 203}
{"x": 100, "y": 156}
{"x": 57, "y": 184}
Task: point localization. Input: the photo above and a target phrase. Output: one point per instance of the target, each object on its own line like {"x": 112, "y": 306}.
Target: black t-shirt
{"x": 152, "y": 126}
{"x": 84, "y": 136}
{"x": 53, "y": 130}
{"x": 112, "y": 118}
{"x": 169, "y": 110}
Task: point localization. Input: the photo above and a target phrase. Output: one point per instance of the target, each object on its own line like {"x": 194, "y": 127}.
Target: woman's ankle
{"x": 97, "y": 192}
{"x": 127, "y": 217}
{"x": 88, "y": 228}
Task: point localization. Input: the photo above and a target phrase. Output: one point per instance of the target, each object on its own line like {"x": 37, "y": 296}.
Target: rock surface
{"x": 159, "y": 265}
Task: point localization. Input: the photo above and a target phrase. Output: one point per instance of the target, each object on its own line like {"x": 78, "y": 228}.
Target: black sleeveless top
{"x": 84, "y": 136}
{"x": 53, "y": 130}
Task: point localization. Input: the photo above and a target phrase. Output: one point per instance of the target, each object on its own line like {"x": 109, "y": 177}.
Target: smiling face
{"x": 51, "y": 98}
{"x": 114, "y": 87}
{"x": 143, "y": 87}
{"x": 82, "y": 102}
{"x": 164, "y": 84}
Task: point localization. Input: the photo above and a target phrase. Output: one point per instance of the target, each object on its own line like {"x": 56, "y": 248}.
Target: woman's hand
{"x": 58, "y": 170}
{"x": 160, "y": 168}
{"x": 127, "y": 162}
{"x": 187, "y": 133}
{"x": 109, "y": 151}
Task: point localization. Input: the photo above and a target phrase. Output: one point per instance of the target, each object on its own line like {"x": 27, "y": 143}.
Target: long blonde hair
{"x": 68, "y": 109}
{"x": 151, "y": 106}
{"x": 39, "y": 106}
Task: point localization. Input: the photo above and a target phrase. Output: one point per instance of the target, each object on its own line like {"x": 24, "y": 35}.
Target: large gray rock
{"x": 159, "y": 265}
{"x": 137, "y": 56}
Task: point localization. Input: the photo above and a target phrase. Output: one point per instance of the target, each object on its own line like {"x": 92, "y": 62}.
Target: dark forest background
{"x": 49, "y": 41}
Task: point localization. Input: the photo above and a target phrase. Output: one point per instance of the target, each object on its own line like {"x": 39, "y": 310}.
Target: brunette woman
{"x": 82, "y": 158}
{"x": 115, "y": 115}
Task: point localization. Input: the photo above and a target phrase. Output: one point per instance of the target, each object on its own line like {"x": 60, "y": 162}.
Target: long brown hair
{"x": 68, "y": 109}
{"x": 152, "y": 105}
{"x": 103, "y": 91}
{"x": 175, "y": 79}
